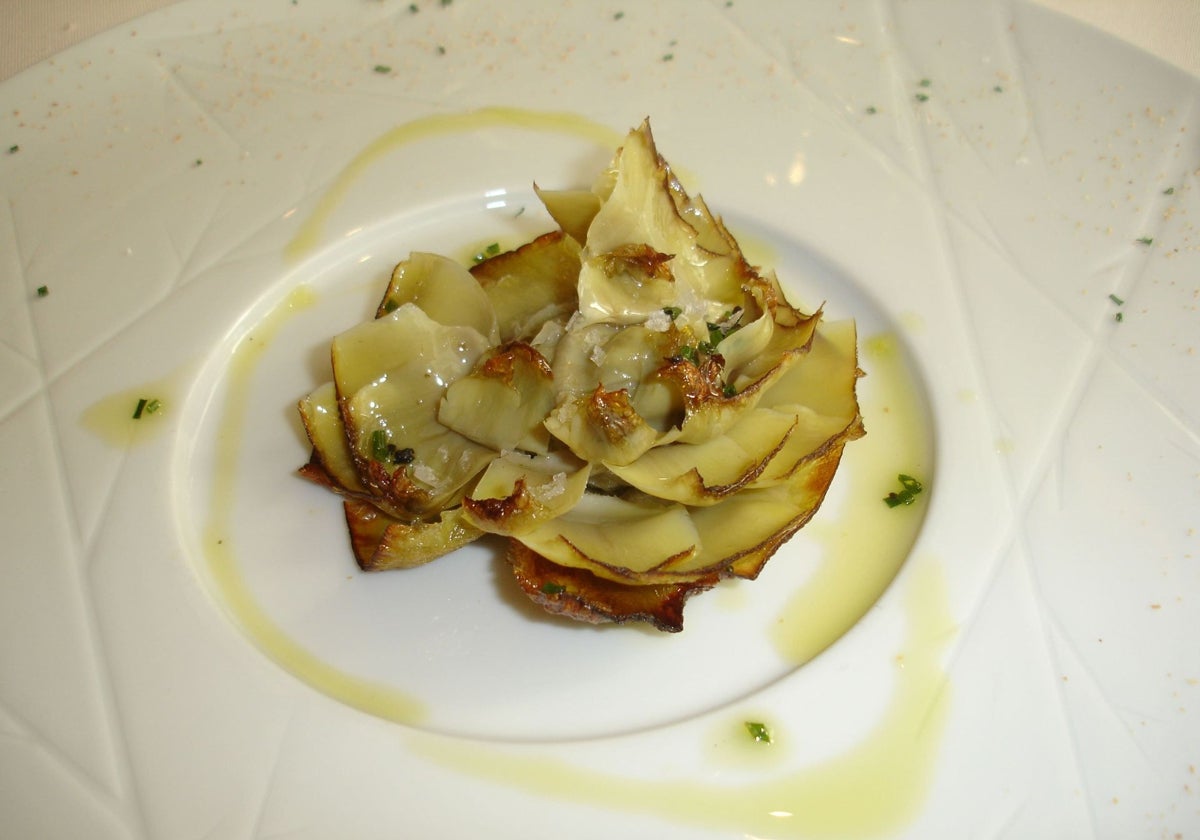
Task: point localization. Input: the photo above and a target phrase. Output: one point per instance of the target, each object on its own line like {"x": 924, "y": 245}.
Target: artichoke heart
{"x": 625, "y": 400}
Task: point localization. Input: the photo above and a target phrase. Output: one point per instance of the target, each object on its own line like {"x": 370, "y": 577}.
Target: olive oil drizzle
{"x": 221, "y": 551}
{"x": 309, "y": 235}
{"x": 873, "y": 789}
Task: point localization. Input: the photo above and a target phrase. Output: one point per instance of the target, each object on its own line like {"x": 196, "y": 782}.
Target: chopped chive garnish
{"x": 379, "y": 445}
{"x": 13, "y": 149}
{"x": 441, "y": 50}
{"x": 198, "y": 162}
{"x": 729, "y": 390}
{"x": 925, "y": 83}
{"x": 922, "y": 97}
{"x": 618, "y": 15}
{"x": 146, "y": 406}
{"x": 669, "y": 57}
{"x": 42, "y": 291}
{"x": 551, "y": 588}
{"x": 673, "y": 312}
{"x": 1119, "y": 317}
{"x": 1118, "y": 301}
{"x": 907, "y": 495}
{"x": 688, "y": 352}
{"x": 382, "y": 68}
{"x": 1169, "y": 191}
{"x": 758, "y": 731}
{"x": 871, "y": 109}
{"x": 998, "y": 89}
{"x": 413, "y": 8}
{"x": 1145, "y": 240}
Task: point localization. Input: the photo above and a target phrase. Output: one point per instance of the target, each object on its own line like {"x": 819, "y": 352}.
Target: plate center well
{"x": 454, "y": 646}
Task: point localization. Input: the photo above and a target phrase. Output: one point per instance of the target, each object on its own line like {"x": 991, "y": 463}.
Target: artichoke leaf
{"x": 444, "y": 290}
{"x": 820, "y": 392}
{"x": 502, "y": 402}
{"x": 531, "y": 286}
{"x": 584, "y": 596}
{"x": 572, "y": 210}
{"x": 602, "y": 426}
{"x": 617, "y": 539}
{"x": 390, "y": 375}
{"x": 516, "y": 494}
{"x": 323, "y": 422}
{"x": 381, "y": 542}
{"x": 706, "y": 473}
{"x": 628, "y": 285}
{"x": 743, "y": 532}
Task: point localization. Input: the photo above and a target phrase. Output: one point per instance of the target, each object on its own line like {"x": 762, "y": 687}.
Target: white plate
{"x": 1007, "y": 198}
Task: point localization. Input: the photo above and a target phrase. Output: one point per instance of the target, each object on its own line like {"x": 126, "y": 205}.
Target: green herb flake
{"x": 729, "y": 390}
{"x": 382, "y": 68}
{"x": 669, "y": 57}
{"x": 910, "y": 488}
{"x": 871, "y": 109}
{"x": 1146, "y": 240}
{"x": 925, "y": 83}
{"x": 673, "y": 312}
{"x": 1118, "y": 301}
{"x": 379, "y": 445}
{"x": 490, "y": 251}
{"x": 618, "y": 15}
{"x": 688, "y": 352}
{"x": 441, "y": 50}
{"x": 758, "y": 731}
{"x": 42, "y": 291}
{"x": 551, "y": 588}
{"x": 390, "y": 305}
{"x": 146, "y": 406}
{"x": 998, "y": 89}
{"x": 922, "y": 97}
{"x": 1119, "y": 317}
{"x": 13, "y": 149}
{"x": 1169, "y": 191}
{"x": 445, "y": 3}
{"x": 413, "y": 8}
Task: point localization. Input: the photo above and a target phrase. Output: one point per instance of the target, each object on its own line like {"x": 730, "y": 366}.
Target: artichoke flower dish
{"x": 633, "y": 407}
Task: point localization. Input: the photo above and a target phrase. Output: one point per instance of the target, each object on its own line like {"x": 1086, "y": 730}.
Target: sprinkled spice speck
{"x": 12, "y": 150}
{"x": 382, "y": 68}
{"x": 1146, "y": 240}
